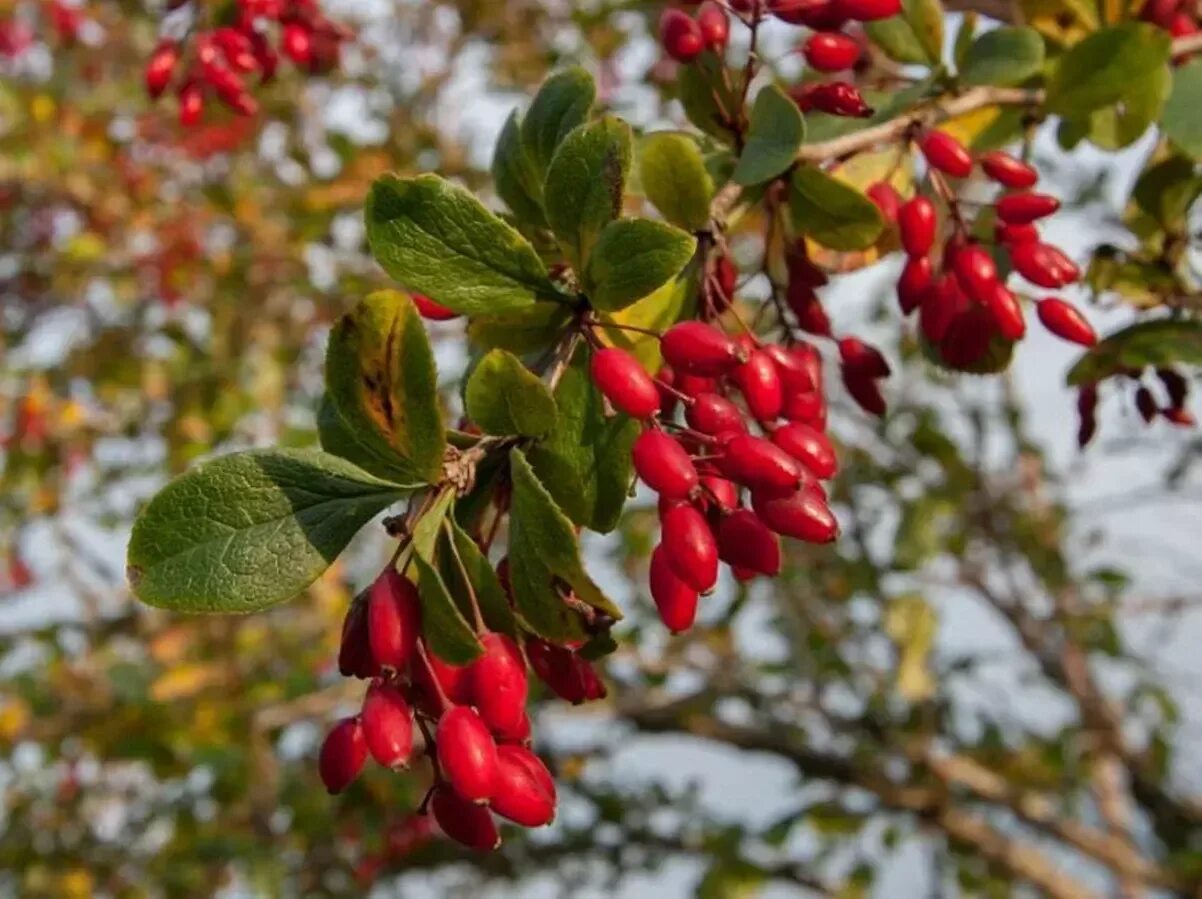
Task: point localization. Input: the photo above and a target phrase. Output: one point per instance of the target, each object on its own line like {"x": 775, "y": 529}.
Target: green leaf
{"x": 773, "y": 139}
{"x": 382, "y": 381}
{"x": 560, "y": 106}
{"x": 1107, "y": 67}
{"x": 377, "y": 458}
{"x": 524, "y": 331}
{"x": 632, "y": 258}
{"x": 1160, "y": 343}
{"x": 542, "y": 547}
{"x": 914, "y": 36}
{"x": 1118, "y": 126}
{"x": 1181, "y": 120}
{"x": 248, "y": 530}
{"x": 585, "y": 461}
{"x": 504, "y": 397}
{"x": 585, "y": 183}
{"x": 437, "y": 239}
{"x": 709, "y": 99}
{"x": 444, "y": 628}
{"x": 1167, "y": 190}
{"x": 964, "y": 39}
{"x": 675, "y": 179}
{"x": 490, "y": 595}
{"x": 657, "y": 312}
{"x": 1004, "y": 56}
{"x": 831, "y": 212}
{"x": 514, "y": 176}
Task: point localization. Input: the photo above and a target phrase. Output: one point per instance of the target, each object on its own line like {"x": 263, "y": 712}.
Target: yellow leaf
{"x": 655, "y": 311}
{"x": 186, "y": 680}
{"x": 968, "y": 127}
{"x": 910, "y": 623}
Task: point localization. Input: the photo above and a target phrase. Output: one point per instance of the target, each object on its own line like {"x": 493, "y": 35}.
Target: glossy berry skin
{"x": 868, "y": 10}
{"x": 758, "y": 464}
{"x": 625, "y": 383}
{"x": 568, "y": 675}
{"x": 387, "y": 725}
{"x": 498, "y": 686}
{"x": 520, "y": 793}
{"x": 432, "y": 311}
{"x": 160, "y": 67}
{"x": 803, "y": 515}
{"x": 915, "y": 280}
{"x": 393, "y": 620}
{"x": 916, "y": 222}
{"x": 191, "y": 104}
{"x": 700, "y": 349}
{"x": 1043, "y": 264}
{"x": 720, "y": 491}
{"x": 468, "y": 824}
{"x": 833, "y": 97}
{"x": 1008, "y": 171}
{"x": 680, "y": 36}
{"x": 831, "y": 51}
{"x": 746, "y": 542}
{"x": 866, "y": 392}
{"x": 714, "y": 25}
{"x": 675, "y": 600}
{"x": 760, "y": 384}
{"x": 354, "y": 652}
{"x": 1010, "y": 235}
{"x": 811, "y": 315}
{"x": 886, "y": 199}
{"x": 976, "y": 271}
{"x": 712, "y": 413}
{"x": 943, "y": 302}
{"x": 297, "y": 43}
{"x": 809, "y": 446}
{"x": 1024, "y": 208}
{"x": 945, "y": 153}
{"x": 342, "y": 756}
{"x": 451, "y": 680}
{"x": 808, "y": 406}
{"x": 534, "y": 765}
{"x": 862, "y": 358}
{"x": 664, "y": 465}
{"x": 1066, "y": 321}
{"x": 689, "y": 546}
{"x": 968, "y": 337}
{"x": 467, "y": 753}
{"x": 1007, "y": 312}
{"x": 793, "y": 366}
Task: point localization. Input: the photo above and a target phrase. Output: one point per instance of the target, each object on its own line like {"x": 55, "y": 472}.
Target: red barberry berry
{"x": 498, "y": 685}
{"x": 428, "y": 309}
{"x": 675, "y": 600}
{"x": 467, "y": 754}
{"x": 746, "y": 542}
{"x": 831, "y": 51}
{"x": 464, "y": 822}
{"x": 680, "y": 35}
{"x": 521, "y": 793}
{"x": 809, "y": 446}
{"x": 343, "y": 754}
{"x": 945, "y": 153}
{"x": 1043, "y": 264}
{"x": 393, "y": 620}
{"x": 803, "y": 514}
{"x": 714, "y": 25}
{"x": 664, "y": 465}
{"x": 689, "y": 546}
{"x": 712, "y": 413}
{"x": 760, "y": 383}
{"x": 1066, "y": 321}
{"x": 625, "y": 383}
{"x": 759, "y": 464}
{"x": 916, "y": 221}
{"x": 160, "y": 67}
{"x": 1024, "y": 208}
{"x": 387, "y": 725}
{"x": 700, "y": 349}
{"x": 1008, "y": 171}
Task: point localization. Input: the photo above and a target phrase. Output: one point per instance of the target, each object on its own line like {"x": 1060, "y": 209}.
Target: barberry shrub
{"x": 612, "y": 347}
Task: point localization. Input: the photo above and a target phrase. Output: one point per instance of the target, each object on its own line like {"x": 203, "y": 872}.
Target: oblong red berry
{"x": 498, "y": 686}
{"x": 537, "y": 769}
{"x": 1012, "y": 234}
{"x": 760, "y": 383}
{"x": 449, "y": 680}
{"x": 809, "y": 446}
{"x": 467, "y": 753}
{"x": 866, "y": 392}
{"x": 868, "y": 10}
{"x": 862, "y": 358}
{"x": 394, "y": 619}
{"x": 746, "y": 542}
{"x": 916, "y": 222}
{"x": 1066, "y": 321}
{"x": 945, "y": 153}
{"x": 700, "y": 349}
{"x": 160, "y": 67}
{"x": 690, "y": 547}
{"x": 803, "y": 515}
{"x": 807, "y": 306}
{"x": 675, "y": 600}
{"x": 942, "y": 303}
{"x": 664, "y": 465}
{"x": 886, "y": 198}
{"x": 567, "y": 674}
{"x": 758, "y": 463}
{"x": 808, "y": 406}
{"x": 968, "y": 337}
{"x": 711, "y": 413}
{"x": 1007, "y": 312}
{"x": 1008, "y": 171}
{"x": 976, "y": 271}
{"x": 914, "y": 282}
{"x": 387, "y": 725}
{"x": 354, "y": 651}
{"x": 680, "y": 35}
{"x": 831, "y": 51}
{"x": 623, "y": 381}
{"x": 720, "y": 491}
{"x": 428, "y": 309}
{"x": 343, "y": 754}
{"x": 520, "y": 794}
{"x": 464, "y": 822}
{"x": 793, "y": 366}
{"x": 1043, "y": 264}
{"x": 714, "y": 25}
{"x": 1145, "y": 404}
{"x": 1024, "y": 208}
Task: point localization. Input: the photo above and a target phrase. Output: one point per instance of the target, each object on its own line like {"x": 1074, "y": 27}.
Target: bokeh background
{"x": 880, "y": 721}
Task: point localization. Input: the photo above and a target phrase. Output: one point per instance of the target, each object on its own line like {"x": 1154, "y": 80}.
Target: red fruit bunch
{"x": 217, "y": 62}
{"x": 735, "y": 446}
{"x": 1178, "y": 17}
{"x": 967, "y": 316}
{"x": 472, "y": 718}
{"x": 1168, "y": 382}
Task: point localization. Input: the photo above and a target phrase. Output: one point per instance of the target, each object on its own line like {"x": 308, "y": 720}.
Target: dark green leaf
{"x": 561, "y": 105}
{"x": 964, "y": 39}
{"x": 1181, "y": 119}
{"x": 382, "y": 381}
{"x": 524, "y": 331}
{"x": 444, "y": 628}
{"x": 585, "y": 183}
{"x": 543, "y": 547}
{"x": 675, "y": 179}
{"x": 585, "y": 462}
{"x": 248, "y": 530}
{"x": 377, "y": 458}
{"x": 1003, "y": 57}
{"x": 633, "y": 258}
{"x": 831, "y": 212}
{"x": 1159, "y": 343}
{"x": 514, "y": 176}
{"x": 504, "y": 397}
{"x": 773, "y": 139}
{"x": 708, "y": 100}
{"x": 915, "y": 36}
{"x": 490, "y": 595}
{"x": 437, "y": 239}
{"x": 1166, "y": 191}
{"x": 1107, "y": 67}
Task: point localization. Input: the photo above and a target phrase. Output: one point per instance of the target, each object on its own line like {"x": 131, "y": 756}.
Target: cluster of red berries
{"x": 966, "y": 314}
{"x": 217, "y": 60}
{"x": 473, "y": 718}
{"x": 1178, "y": 17}
{"x": 707, "y": 468}
{"x": 1174, "y": 386}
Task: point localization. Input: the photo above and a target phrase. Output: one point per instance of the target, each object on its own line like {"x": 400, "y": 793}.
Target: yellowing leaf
{"x": 186, "y": 680}
{"x": 910, "y": 622}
